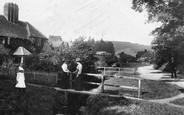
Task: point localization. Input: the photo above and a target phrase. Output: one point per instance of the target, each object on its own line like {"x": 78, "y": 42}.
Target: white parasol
{"x": 21, "y": 51}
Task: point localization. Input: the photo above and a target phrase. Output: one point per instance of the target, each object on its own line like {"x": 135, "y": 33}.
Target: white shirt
{"x": 65, "y": 67}
{"x": 79, "y": 68}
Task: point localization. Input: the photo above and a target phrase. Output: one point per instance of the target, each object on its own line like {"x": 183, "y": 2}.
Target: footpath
{"x": 148, "y": 72}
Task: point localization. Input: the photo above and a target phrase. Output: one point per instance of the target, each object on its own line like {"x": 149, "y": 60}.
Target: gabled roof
{"x": 34, "y": 32}
{"x": 20, "y": 29}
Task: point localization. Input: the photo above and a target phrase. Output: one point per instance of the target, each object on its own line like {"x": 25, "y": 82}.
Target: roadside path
{"x": 148, "y": 72}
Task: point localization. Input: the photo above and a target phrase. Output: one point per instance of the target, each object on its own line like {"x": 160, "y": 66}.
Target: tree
{"x": 125, "y": 58}
{"x": 91, "y": 41}
{"x": 169, "y": 37}
{"x": 140, "y": 53}
{"x": 86, "y": 52}
{"x": 111, "y": 59}
{"x": 47, "y": 60}
{"x": 105, "y": 46}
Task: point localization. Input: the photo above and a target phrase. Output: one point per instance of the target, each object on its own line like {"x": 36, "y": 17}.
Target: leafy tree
{"x": 140, "y": 53}
{"x": 169, "y": 37}
{"x": 91, "y": 41}
{"x": 105, "y": 46}
{"x": 125, "y": 58}
{"x": 51, "y": 57}
{"x": 110, "y": 47}
{"x": 86, "y": 52}
{"x": 47, "y": 60}
{"x": 111, "y": 59}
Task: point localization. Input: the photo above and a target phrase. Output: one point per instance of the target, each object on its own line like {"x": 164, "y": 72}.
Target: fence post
{"x": 56, "y": 79}
{"x": 102, "y": 83}
{"x": 34, "y": 75}
{"x": 104, "y": 70}
{"x": 70, "y": 81}
{"x": 66, "y": 97}
{"x": 139, "y": 88}
{"x": 134, "y": 71}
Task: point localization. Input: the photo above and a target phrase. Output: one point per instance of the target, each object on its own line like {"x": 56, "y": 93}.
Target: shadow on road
{"x": 166, "y": 79}
{"x": 181, "y": 90}
{"x": 157, "y": 72}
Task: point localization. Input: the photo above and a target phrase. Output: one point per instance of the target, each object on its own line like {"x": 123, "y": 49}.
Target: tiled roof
{"x": 21, "y": 29}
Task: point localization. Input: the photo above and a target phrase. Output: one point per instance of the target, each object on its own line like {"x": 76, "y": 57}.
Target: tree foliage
{"x": 47, "y": 60}
{"x": 111, "y": 59}
{"x": 86, "y": 52}
{"x": 50, "y": 58}
{"x": 3, "y": 50}
{"x": 140, "y": 53}
{"x": 169, "y": 37}
{"x": 105, "y": 46}
{"x": 125, "y": 58}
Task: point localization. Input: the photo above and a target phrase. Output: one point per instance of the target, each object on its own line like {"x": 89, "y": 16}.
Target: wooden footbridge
{"x": 102, "y": 84}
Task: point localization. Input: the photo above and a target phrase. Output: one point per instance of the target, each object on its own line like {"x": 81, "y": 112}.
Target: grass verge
{"x": 101, "y": 105}
{"x": 178, "y": 101}
{"x": 150, "y": 89}
{"x": 36, "y": 101}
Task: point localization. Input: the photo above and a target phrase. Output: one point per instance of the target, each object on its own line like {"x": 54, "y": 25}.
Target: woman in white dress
{"x": 20, "y": 79}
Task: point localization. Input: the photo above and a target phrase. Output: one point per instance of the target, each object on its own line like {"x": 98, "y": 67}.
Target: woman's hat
{"x": 77, "y": 59}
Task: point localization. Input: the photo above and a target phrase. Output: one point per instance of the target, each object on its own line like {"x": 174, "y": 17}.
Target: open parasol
{"x": 21, "y": 51}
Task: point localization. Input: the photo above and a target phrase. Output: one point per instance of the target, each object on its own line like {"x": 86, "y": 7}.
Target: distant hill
{"x": 129, "y": 48}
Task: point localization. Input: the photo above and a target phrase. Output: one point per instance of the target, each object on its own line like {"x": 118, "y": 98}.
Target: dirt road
{"x": 148, "y": 72}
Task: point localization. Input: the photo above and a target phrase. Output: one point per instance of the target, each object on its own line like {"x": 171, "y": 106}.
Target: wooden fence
{"x": 46, "y": 78}
{"x": 109, "y": 71}
{"x": 51, "y": 79}
{"x": 125, "y": 73}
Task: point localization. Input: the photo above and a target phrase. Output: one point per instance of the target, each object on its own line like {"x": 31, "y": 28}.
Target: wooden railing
{"x": 121, "y": 72}
{"x": 107, "y": 71}
{"x": 52, "y": 78}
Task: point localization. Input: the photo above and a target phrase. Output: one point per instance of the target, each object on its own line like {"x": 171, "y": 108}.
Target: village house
{"x": 147, "y": 57}
{"x": 15, "y": 33}
{"x": 57, "y": 41}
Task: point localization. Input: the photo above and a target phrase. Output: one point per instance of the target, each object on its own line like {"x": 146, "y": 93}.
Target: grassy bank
{"x": 150, "y": 89}
{"x": 179, "y": 101}
{"x": 100, "y": 105}
{"x": 36, "y": 101}
{"x": 43, "y": 101}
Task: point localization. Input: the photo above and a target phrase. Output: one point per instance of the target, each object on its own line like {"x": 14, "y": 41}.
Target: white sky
{"x": 112, "y": 20}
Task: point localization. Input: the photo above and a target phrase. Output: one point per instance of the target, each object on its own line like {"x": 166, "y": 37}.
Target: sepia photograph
{"x": 91, "y": 57}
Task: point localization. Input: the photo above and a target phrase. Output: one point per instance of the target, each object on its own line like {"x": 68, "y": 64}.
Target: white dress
{"x": 20, "y": 79}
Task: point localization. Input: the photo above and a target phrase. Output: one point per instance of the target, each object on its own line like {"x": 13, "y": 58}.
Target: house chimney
{"x": 16, "y": 13}
{"x": 11, "y": 12}
{"x": 6, "y": 11}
